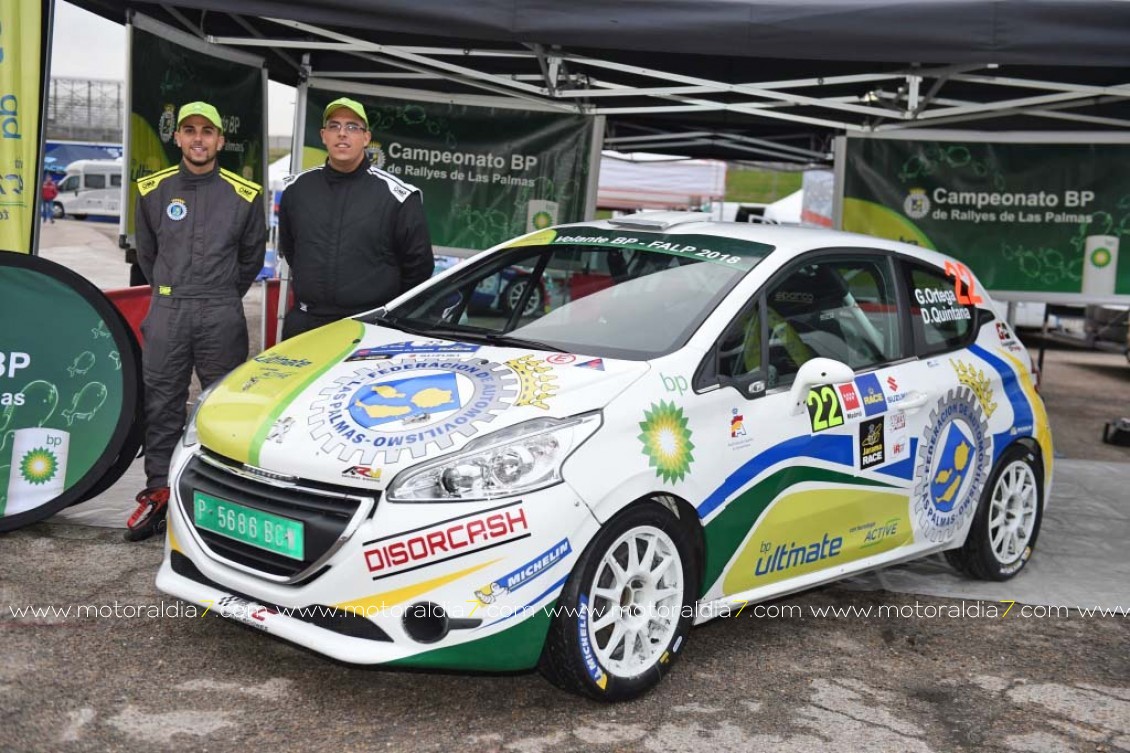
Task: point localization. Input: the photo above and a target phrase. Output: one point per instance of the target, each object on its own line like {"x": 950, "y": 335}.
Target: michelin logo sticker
{"x": 512, "y": 581}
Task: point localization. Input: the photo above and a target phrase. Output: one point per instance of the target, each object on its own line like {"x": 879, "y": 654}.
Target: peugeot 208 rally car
{"x": 702, "y": 415}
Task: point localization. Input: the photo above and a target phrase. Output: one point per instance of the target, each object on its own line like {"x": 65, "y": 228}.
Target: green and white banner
{"x": 168, "y": 69}
{"x": 487, "y": 174}
{"x": 24, "y": 33}
{"x": 70, "y": 389}
{"x": 1035, "y": 221}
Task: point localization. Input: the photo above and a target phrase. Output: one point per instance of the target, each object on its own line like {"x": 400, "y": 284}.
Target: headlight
{"x": 190, "y": 439}
{"x": 510, "y": 461}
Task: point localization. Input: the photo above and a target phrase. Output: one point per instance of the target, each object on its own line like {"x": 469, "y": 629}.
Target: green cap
{"x": 352, "y": 105}
{"x": 204, "y": 110}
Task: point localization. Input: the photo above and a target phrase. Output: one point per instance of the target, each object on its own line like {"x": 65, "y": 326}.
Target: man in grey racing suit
{"x": 201, "y": 233}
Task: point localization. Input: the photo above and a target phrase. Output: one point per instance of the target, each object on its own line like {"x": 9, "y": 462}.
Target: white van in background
{"x": 91, "y": 186}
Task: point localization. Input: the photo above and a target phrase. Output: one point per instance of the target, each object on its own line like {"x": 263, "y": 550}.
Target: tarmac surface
{"x": 136, "y": 671}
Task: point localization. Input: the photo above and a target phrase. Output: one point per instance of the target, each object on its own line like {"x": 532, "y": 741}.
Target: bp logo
{"x": 39, "y": 466}
{"x": 166, "y": 124}
{"x": 542, "y": 220}
{"x": 177, "y": 210}
{"x": 408, "y": 405}
{"x": 667, "y": 441}
{"x": 1101, "y": 257}
{"x": 953, "y": 462}
{"x": 916, "y": 206}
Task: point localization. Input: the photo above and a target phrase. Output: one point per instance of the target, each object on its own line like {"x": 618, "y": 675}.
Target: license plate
{"x": 252, "y": 527}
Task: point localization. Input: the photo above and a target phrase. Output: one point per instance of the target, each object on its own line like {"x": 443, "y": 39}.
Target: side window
{"x": 739, "y": 350}
{"x": 939, "y": 320}
{"x": 116, "y": 180}
{"x": 95, "y": 180}
{"x": 70, "y": 183}
{"x": 840, "y": 308}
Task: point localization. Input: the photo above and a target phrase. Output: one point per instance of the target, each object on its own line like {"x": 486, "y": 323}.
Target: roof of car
{"x": 787, "y": 239}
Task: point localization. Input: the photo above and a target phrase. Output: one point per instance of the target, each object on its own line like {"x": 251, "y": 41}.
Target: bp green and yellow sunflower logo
{"x": 667, "y": 441}
{"x": 1100, "y": 257}
{"x": 39, "y": 466}
{"x": 542, "y": 220}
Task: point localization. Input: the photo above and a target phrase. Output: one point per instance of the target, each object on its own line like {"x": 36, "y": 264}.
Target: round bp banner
{"x": 69, "y": 389}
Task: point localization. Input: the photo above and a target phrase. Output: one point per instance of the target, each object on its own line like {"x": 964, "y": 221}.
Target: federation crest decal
{"x": 953, "y": 464}
{"x": 410, "y": 405}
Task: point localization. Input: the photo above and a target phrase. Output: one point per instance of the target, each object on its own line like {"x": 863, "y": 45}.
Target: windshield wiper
{"x": 454, "y": 333}
{"x": 518, "y": 342}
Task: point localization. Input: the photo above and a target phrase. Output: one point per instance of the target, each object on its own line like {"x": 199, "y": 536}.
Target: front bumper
{"x": 466, "y": 585}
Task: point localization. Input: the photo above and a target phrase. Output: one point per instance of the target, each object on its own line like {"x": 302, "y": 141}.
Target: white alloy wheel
{"x": 635, "y": 600}
{"x": 1012, "y": 511}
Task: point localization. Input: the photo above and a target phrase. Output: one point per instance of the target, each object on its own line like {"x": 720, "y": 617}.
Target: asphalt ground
{"x": 935, "y": 674}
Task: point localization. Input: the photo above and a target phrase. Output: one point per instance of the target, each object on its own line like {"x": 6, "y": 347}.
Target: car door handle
{"x": 913, "y": 401}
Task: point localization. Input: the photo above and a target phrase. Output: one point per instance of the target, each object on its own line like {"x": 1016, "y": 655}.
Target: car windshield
{"x": 613, "y": 293}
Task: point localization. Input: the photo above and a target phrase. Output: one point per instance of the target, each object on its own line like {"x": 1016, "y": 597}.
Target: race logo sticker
{"x": 410, "y": 348}
{"x": 389, "y": 407}
{"x": 369, "y": 354}
{"x": 362, "y": 473}
{"x": 177, "y": 210}
{"x": 824, "y": 409}
{"x": 667, "y": 441}
{"x": 874, "y": 400}
{"x": 737, "y": 425}
{"x": 953, "y": 461}
{"x": 916, "y": 205}
{"x": 849, "y": 399}
{"x": 976, "y": 381}
{"x": 898, "y": 439}
{"x": 596, "y": 364}
{"x": 591, "y": 664}
{"x": 243, "y": 611}
{"x": 447, "y": 540}
{"x": 535, "y": 381}
{"x": 739, "y": 435}
{"x": 871, "y": 443}
{"x": 1007, "y": 338}
{"x": 523, "y": 574}
{"x": 560, "y": 359}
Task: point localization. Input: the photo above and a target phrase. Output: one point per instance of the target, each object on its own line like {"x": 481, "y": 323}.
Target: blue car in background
{"x": 500, "y": 292}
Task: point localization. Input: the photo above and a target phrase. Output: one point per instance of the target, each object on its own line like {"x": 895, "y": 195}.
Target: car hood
{"x": 352, "y": 403}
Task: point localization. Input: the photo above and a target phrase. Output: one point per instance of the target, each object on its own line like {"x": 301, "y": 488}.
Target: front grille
{"x": 329, "y": 618}
{"x": 324, "y": 511}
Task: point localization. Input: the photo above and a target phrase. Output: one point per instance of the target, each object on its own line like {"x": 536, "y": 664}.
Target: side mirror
{"x": 813, "y": 372}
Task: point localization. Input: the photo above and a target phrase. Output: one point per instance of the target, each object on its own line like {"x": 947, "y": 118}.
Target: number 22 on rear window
{"x": 963, "y": 285}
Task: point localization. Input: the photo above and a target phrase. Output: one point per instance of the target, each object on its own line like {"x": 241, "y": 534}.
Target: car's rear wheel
{"x": 625, "y": 612}
{"x": 512, "y": 296}
{"x": 1004, "y": 530}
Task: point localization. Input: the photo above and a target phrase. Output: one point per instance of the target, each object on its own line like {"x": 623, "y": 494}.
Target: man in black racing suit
{"x": 354, "y": 236}
{"x": 201, "y": 234}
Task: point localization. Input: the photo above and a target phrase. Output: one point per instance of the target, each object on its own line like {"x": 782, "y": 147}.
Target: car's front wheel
{"x": 625, "y": 612}
{"x": 1004, "y": 530}
{"x": 57, "y": 210}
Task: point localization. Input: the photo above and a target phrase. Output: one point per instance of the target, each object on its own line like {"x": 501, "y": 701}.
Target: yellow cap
{"x": 352, "y": 105}
{"x": 204, "y": 110}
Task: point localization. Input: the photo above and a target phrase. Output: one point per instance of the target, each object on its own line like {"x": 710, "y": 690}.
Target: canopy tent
{"x": 730, "y": 79}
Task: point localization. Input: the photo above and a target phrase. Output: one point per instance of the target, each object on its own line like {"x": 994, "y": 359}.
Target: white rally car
{"x": 704, "y": 415}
